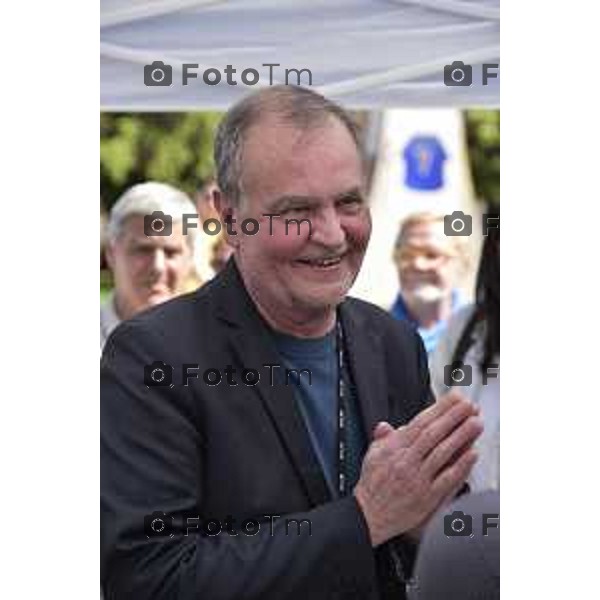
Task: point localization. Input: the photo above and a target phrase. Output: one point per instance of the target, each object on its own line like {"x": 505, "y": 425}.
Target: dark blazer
{"x": 242, "y": 452}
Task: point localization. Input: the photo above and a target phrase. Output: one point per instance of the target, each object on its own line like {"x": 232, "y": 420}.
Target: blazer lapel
{"x": 252, "y": 345}
{"x": 365, "y": 356}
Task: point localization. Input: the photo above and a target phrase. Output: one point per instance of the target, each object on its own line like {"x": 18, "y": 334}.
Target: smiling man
{"x": 429, "y": 263}
{"x": 147, "y": 270}
{"x": 357, "y": 451}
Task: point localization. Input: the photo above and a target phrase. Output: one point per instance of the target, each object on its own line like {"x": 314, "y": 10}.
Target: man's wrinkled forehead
{"x": 426, "y": 234}
{"x": 276, "y": 131}
{"x": 133, "y": 232}
{"x": 275, "y": 142}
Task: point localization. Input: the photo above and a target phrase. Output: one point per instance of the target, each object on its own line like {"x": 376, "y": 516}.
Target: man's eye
{"x": 297, "y": 210}
{"x": 351, "y": 203}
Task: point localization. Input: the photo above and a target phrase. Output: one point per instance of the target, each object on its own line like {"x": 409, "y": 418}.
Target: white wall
{"x": 391, "y": 200}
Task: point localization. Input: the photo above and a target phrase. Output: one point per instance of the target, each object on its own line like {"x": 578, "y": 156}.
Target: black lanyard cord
{"x": 341, "y": 409}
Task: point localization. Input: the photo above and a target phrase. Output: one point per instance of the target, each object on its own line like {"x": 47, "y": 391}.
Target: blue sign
{"x": 424, "y": 156}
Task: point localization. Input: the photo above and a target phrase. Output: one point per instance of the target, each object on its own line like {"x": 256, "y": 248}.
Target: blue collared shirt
{"x": 432, "y": 335}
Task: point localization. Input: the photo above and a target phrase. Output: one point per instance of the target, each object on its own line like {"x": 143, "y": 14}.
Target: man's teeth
{"x": 323, "y": 262}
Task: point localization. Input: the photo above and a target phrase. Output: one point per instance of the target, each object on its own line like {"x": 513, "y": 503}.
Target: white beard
{"x": 426, "y": 294}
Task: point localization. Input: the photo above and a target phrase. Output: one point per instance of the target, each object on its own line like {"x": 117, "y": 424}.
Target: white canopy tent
{"x": 362, "y": 53}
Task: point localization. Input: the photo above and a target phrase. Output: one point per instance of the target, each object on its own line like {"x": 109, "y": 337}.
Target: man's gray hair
{"x": 292, "y": 105}
{"x": 145, "y": 198}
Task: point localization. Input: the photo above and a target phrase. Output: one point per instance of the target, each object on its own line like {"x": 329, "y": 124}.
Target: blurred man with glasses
{"x": 429, "y": 264}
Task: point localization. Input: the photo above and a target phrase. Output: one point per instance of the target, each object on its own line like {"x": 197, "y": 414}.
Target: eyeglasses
{"x": 408, "y": 257}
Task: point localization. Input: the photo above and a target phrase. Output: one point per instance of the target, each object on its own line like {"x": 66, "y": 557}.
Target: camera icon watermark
{"x": 458, "y": 74}
{"x": 158, "y": 524}
{"x": 458, "y": 224}
{"x": 458, "y": 374}
{"x": 158, "y": 223}
{"x": 459, "y": 524}
{"x": 158, "y": 74}
{"x": 158, "y": 374}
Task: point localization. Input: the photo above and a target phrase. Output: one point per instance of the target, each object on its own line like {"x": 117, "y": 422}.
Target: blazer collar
{"x": 366, "y": 358}
{"x": 251, "y": 342}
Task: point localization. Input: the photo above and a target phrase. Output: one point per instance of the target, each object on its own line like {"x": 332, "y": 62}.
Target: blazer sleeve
{"x": 151, "y": 460}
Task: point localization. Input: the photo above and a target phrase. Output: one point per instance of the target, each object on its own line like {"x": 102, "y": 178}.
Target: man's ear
{"x": 225, "y": 211}
{"x": 109, "y": 253}
{"x": 217, "y": 199}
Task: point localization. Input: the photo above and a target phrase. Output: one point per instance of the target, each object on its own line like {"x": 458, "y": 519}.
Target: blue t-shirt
{"x": 424, "y": 156}
{"x": 317, "y": 396}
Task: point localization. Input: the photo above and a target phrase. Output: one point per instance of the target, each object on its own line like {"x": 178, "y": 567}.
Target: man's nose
{"x": 158, "y": 261}
{"x": 421, "y": 263}
{"x": 327, "y": 229}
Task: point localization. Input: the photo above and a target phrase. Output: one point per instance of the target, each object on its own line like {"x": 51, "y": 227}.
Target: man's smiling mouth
{"x": 329, "y": 262}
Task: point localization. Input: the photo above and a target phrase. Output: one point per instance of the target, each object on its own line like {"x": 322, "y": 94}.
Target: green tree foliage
{"x": 483, "y": 141}
{"x": 177, "y": 148}
{"x": 172, "y": 147}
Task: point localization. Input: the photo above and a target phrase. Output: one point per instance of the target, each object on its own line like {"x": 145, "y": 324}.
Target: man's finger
{"x": 430, "y": 414}
{"x": 461, "y": 438}
{"x": 381, "y": 430}
{"x": 454, "y": 476}
{"x": 450, "y": 497}
{"x": 443, "y": 426}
